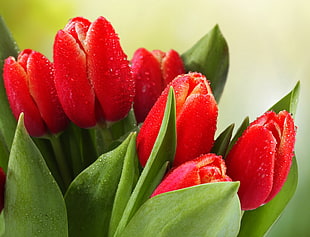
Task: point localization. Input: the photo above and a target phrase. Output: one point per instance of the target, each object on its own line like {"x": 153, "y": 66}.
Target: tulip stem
{"x": 61, "y": 161}
{"x": 103, "y": 138}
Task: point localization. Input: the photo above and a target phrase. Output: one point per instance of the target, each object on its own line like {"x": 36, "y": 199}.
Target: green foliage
{"x": 163, "y": 152}
{"x": 90, "y": 196}
{"x": 8, "y": 48}
{"x": 210, "y": 56}
{"x": 205, "y": 210}
{"x": 34, "y": 205}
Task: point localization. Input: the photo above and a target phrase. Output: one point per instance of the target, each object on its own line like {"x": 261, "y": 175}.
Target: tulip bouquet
{"x": 94, "y": 144}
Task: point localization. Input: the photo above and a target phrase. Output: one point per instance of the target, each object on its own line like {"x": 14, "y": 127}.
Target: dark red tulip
{"x": 262, "y": 157}
{"x": 196, "y": 116}
{"x": 92, "y": 74}
{"x": 208, "y": 168}
{"x": 152, "y": 71}
{"x": 2, "y": 188}
{"x": 29, "y": 84}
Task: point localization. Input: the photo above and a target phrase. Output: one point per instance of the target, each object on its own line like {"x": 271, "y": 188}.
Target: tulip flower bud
{"x": 196, "y": 116}
{"x": 2, "y": 188}
{"x": 208, "y": 168}
{"x": 262, "y": 157}
{"x": 92, "y": 75}
{"x": 29, "y": 84}
{"x": 152, "y": 72}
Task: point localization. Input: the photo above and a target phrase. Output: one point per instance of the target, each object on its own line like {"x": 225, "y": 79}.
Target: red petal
{"x": 73, "y": 87}
{"x": 284, "y": 154}
{"x": 184, "y": 176}
{"x": 109, "y": 70}
{"x": 43, "y": 91}
{"x": 147, "y": 76}
{"x": 251, "y": 161}
{"x": 204, "y": 169}
{"x": 16, "y": 85}
{"x": 196, "y": 125}
{"x": 172, "y": 66}
{"x": 212, "y": 168}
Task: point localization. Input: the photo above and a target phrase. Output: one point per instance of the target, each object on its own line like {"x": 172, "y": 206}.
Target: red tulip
{"x": 29, "y": 84}
{"x": 2, "y": 188}
{"x": 208, "y": 168}
{"x": 262, "y": 157}
{"x": 152, "y": 71}
{"x": 196, "y": 116}
{"x": 92, "y": 75}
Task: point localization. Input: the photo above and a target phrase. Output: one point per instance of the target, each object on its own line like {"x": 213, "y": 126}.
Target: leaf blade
{"x": 210, "y": 56}
{"x": 163, "y": 151}
{"x": 34, "y": 205}
{"x": 90, "y": 196}
{"x": 8, "y": 47}
{"x": 211, "y": 209}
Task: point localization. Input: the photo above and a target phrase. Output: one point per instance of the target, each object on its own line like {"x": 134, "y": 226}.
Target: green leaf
{"x": 163, "y": 151}
{"x": 210, "y": 56}
{"x": 288, "y": 102}
{"x": 211, "y": 209}
{"x": 128, "y": 180}
{"x": 8, "y": 47}
{"x": 259, "y": 221}
{"x": 34, "y": 205}
{"x": 222, "y": 142}
{"x": 90, "y": 196}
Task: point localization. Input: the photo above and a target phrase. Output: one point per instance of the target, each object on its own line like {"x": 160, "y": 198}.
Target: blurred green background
{"x": 269, "y": 53}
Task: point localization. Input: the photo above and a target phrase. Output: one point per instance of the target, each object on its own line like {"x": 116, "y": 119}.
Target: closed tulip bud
{"x": 196, "y": 117}
{"x": 92, "y": 74}
{"x": 262, "y": 157}
{"x": 2, "y": 188}
{"x": 152, "y": 72}
{"x": 208, "y": 168}
{"x": 29, "y": 84}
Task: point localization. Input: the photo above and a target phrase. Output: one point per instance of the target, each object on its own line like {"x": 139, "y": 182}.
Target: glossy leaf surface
{"x": 90, "y": 197}
{"x": 205, "y": 210}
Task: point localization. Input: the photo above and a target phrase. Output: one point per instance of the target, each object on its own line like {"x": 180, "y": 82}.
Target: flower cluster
{"x": 93, "y": 85}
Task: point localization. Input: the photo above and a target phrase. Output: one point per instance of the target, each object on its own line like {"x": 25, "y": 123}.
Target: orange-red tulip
{"x": 29, "y": 84}
{"x": 196, "y": 117}
{"x": 208, "y": 168}
{"x": 152, "y": 71}
{"x": 262, "y": 157}
{"x": 92, "y": 74}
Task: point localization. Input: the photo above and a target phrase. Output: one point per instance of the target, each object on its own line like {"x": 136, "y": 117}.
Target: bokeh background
{"x": 269, "y": 52}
